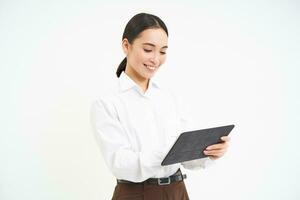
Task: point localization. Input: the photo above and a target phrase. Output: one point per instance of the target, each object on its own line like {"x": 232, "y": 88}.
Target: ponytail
{"x": 121, "y": 67}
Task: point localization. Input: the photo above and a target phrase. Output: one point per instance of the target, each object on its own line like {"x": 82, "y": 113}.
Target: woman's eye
{"x": 147, "y": 50}
{"x": 163, "y": 53}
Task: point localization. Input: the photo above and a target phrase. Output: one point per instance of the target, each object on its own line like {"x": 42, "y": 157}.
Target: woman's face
{"x": 147, "y": 53}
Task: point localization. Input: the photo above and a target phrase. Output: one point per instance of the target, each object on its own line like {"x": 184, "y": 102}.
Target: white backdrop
{"x": 235, "y": 62}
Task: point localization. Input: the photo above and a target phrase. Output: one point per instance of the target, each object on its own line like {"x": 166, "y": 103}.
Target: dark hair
{"x": 135, "y": 26}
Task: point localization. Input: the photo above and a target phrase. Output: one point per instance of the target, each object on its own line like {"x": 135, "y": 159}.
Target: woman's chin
{"x": 149, "y": 75}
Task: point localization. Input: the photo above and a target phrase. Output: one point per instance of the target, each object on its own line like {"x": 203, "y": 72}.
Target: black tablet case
{"x": 190, "y": 145}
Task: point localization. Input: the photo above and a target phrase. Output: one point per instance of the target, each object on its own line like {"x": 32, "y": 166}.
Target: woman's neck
{"x": 139, "y": 80}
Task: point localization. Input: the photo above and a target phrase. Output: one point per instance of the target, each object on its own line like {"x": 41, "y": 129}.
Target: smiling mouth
{"x": 150, "y": 67}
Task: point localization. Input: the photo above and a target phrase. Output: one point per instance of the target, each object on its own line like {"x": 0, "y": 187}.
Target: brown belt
{"x": 178, "y": 176}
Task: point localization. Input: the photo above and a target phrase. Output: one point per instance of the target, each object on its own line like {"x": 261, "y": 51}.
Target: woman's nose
{"x": 155, "y": 59}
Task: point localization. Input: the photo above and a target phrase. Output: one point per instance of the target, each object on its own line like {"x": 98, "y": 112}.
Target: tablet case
{"x": 190, "y": 145}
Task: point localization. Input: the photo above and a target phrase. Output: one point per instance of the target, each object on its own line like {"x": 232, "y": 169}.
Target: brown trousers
{"x": 144, "y": 191}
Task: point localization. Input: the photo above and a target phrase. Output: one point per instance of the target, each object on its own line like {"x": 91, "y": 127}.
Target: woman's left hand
{"x": 216, "y": 151}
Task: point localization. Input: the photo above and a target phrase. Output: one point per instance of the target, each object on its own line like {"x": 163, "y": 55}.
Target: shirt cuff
{"x": 198, "y": 163}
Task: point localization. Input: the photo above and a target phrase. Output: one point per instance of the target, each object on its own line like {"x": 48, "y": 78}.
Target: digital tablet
{"x": 190, "y": 145}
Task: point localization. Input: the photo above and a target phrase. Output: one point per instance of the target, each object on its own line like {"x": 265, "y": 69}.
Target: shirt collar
{"x": 125, "y": 83}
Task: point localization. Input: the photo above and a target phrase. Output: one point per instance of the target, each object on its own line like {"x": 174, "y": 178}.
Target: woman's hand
{"x": 216, "y": 151}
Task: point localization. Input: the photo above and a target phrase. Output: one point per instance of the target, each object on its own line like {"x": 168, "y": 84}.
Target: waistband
{"x": 178, "y": 176}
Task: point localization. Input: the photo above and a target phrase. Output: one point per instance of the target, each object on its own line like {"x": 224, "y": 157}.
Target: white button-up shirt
{"x": 135, "y": 130}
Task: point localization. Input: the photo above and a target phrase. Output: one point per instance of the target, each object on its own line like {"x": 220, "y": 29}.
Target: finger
{"x": 214, "y": 152}
{"x": 217, "y": 146}
{"x": 225, "y": 138}
{"x": 213, "y": 157}
{"x": 216, "y": 156}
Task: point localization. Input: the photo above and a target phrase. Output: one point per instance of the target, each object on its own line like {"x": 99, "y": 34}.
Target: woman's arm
{"x": 123, "y": 161}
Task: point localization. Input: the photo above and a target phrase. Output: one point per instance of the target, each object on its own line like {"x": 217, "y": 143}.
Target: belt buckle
{"x": 160, "y": 181}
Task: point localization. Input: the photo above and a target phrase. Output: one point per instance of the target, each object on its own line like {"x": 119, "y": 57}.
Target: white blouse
{"x": 135, "y": 130}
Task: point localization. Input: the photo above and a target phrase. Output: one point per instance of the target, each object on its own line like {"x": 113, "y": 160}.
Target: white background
{"x": 235, "y": 61}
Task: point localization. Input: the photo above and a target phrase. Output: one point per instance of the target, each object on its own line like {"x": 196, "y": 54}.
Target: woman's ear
{"x": 125, "y": 46}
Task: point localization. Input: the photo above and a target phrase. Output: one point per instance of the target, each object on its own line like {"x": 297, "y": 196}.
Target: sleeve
{"x": 123, "y": 161}
{"x": 198, "y": 163}
{"x": 188, "y": 124}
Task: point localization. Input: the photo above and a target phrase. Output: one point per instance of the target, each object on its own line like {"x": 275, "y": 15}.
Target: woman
{"x": 136, "y": 124}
